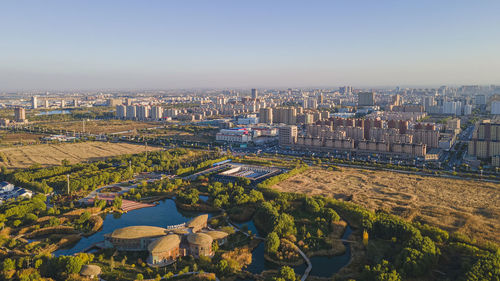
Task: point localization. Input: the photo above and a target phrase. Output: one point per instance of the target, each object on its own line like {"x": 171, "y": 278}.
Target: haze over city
{"x": 211, "y": 140}
{"x": 191, "y": 44}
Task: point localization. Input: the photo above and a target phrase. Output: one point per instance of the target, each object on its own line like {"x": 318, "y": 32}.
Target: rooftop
{"x": 90, "y": 270}
{"x": 140, "y": 231}
{"x": 215, "y": 234}
{"x": 199, "y": 239}
{"x": 198, "y": 221}
{"x": 164, "y": 243}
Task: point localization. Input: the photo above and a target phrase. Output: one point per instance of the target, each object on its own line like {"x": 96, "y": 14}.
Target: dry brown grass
{"x": 97, "y": 126}
{"x": 467, "y": 206}
{"x": 53, "y": 154}
{"x": 12, "y": 138}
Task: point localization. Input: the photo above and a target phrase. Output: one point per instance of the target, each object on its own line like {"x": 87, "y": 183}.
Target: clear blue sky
{"x": 210, "y": 43}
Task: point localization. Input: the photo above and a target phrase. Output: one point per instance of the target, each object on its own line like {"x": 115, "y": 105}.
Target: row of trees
{"x": 85, "y": 177}
{"x": 231, "y": 195}
{"x": 58, "y": 268}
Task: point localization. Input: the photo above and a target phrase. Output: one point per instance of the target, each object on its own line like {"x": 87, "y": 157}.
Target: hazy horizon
{"x": 130, "y": 45}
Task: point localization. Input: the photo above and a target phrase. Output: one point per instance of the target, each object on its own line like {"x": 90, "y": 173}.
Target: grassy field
{"x": 10, "y": 138}
{"x": 97, "y": 126}
{"x": 467, "y": 206}
{"x": 53, "y": 154}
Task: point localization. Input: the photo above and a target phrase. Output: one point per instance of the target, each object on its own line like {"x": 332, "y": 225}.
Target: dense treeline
{"x": 232, "y": 195}
{"x": 89, "y": 176}
{"x": 58, "y": 268}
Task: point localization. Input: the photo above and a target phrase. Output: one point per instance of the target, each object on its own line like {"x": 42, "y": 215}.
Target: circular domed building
{"x": 165, "y": 250}
{"x": 200, "y": 244}
{"x": 90, "y": 271}
{"x": 134, "y": 238}
{"x": 219, "y": 236}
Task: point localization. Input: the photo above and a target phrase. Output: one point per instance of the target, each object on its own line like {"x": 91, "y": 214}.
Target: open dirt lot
{"x": 467, "y": 206}
{"x": 53, "y": 154}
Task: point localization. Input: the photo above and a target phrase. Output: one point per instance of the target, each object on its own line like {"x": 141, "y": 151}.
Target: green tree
{"x": 272, "y": 243}
{"x": 8, "y": 264}
{"x": 285, "y": 225}
{"x": 380, "y": 272}
{"x": 222, "y": 266}
{"x": 486, "y": 268}
{"x": 117, "y": 202}
{"x": 287, "y": 273}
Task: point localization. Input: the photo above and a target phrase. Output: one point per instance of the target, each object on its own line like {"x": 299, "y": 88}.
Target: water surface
{"x": 162, "y": 215}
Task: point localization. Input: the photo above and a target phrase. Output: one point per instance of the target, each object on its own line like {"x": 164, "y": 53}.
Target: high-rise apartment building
{"x": 34, "y": 102}
{"x": 131, "y": 112}
{"x": 480, "y": 100}
{"x": 19, "y": 114}
{"x": 266, "y": 115}
{"x": 452, "y": 107}
{"x": 121, "y": 111}
{"x": 312, "y": 103}
{"x": 485, "y": 143}
{"x": 396, "y": 100}
{"x": 429, "y": 102}
{"x": 495, "y": 107}
{"x": 156, "y": 112}
{"x": 255, "y": 94}
{"x": 320, "y": 98}
{"x": 287, "y": 115}
{"x": 345, "y": 90}
{"x": 287, "y": 135}
{"x": 143, "y": 112}
{"x": 366, "y": 99}
{"x": 113, "y": 102}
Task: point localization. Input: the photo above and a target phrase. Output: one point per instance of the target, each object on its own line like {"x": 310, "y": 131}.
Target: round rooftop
{"x": 137, "y": 232}
{"x": 199, "y": 239}
{"x": 215, "y": 234}
{"x": 90, "y": 270}
{"x": 165, "y": 243}
{"x": 197, "y": 221}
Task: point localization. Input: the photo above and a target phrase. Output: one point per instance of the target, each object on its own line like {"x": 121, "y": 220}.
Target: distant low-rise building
{"x": 9, "y": 191}
{"x": 236, "y": 135}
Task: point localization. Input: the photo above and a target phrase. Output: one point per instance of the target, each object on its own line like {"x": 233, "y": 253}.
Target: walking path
{"x": 308, "y": 262}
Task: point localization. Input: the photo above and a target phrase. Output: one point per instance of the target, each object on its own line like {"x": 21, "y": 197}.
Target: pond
{"x": 204, "y": 198}
{"x": 250, "y": 226}
{"x": 322, "y": 266}
{"x": 162, "y": 215}
{"x": 53, "y": 112}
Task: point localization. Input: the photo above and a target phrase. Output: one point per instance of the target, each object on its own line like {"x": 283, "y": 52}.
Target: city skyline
{"x": 224, "y": 44}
